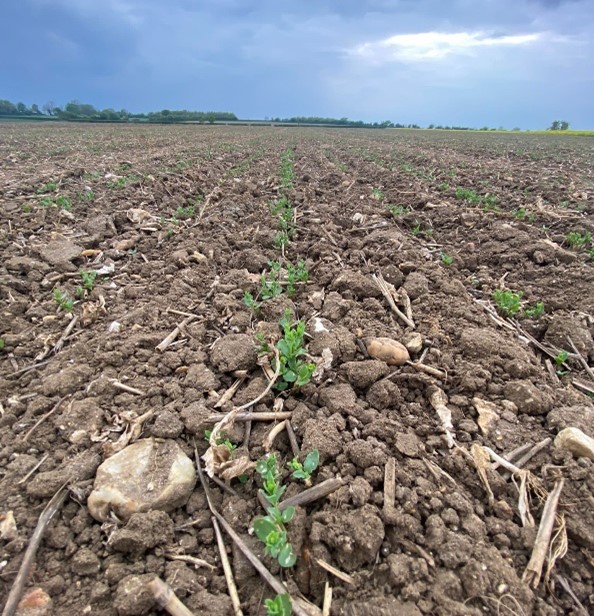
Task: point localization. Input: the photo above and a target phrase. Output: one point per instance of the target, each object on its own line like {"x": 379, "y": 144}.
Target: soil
{"x": 366, "y": 202}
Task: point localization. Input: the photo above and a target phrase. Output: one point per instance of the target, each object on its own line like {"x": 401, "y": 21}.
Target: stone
{"x": 338, "y": 397}
{"x": 574, "y": 440}
{"x": 146, "y": 475}
{"x": 391, "y": 351}
{"x": 67, "y": 381}
{"x": 356, "y": 283}
{"x": 234, "y": 352}
{"x": 36, "y": 602}
{"x": 407, "y": 444}
{"x": 201, "y": 378}
{"x": 416, "y": 285}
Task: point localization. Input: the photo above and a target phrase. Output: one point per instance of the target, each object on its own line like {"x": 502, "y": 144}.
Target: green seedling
{"x": 221, "y": 440}
{"x": 591, "y": 253}
{"x": 397, "y": 210}
{"x": 46, "y": 202}
{"x": 183, "y": 213}
{"x": 63, "y": 301}
{"x": 88, "y": 195}
{"x": 295, "y": 274}
{"x": 522, "y": 214}
{"x": 447, "y": 260}
{"x": 508, "y": 302}
{"x": 279, "y": 206}
{"x": 561, "y": 358}
{"x": 443, "y": 186}
{"x": 489, "y": 202}
{"x": 271, "y": 529}
{"x": 2, "y": 344}
{"x": 304, "y": 470}
{"x": 578, "y": 240}
{"x": 281, "y": 239}
{"x": 64, "y": 203}
{"x": 377, "y": 194}
{"x": 535, "y": 312}
{"x": 270, "y": 285}
{"x": 294, "y": 372}
{"x": 468, "y": 195}
{"x": 27, "y": 209}
{"x": 416, "y": 230}
{"x": 49, "y": 187}
{"x": 250, "y": 302}
{"x": 279, "y": 606}
{"x": 88, "y": 279}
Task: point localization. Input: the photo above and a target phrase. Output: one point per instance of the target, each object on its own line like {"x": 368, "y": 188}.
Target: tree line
{"x": 75, "y": 110}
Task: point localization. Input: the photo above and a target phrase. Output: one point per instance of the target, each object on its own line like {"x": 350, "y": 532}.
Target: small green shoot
{"x": 535, "y": 312}
{"x": 2, "y": 344}
{"x": 397, "y": 210}
{"x": 221, "y": 440}
{"x": 63, "y": 301}
{"x": 578, "y": 240}
{"x": 304, "y": 470}
{"x": 468, "y": 195}
{"x": 443, "y": 186}
{"x": 294, "y": 372}
{"x": 271, "y": 529}
{"x": 377, "y": 194}
{"x": 561, "y": 358}
{"x": 508, "y": 302}
{"x": 49, "y": 187}
{"x": 64, "y": 203}
{"x": 88, "y": 195}
{"x": 447, "y": 260}
{"x": 522, "y": 214}
{"x": 183, "y": 213}
{"x": 250, "y": 302}
{"x": 295, "y": 274}
{"x": 279, "y": 606}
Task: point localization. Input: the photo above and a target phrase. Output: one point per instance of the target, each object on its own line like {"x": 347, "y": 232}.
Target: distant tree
{"x": 49, "y": 108}
{"x": 35, "y": 109}
{"x": 563, "y": 125}
{"x": 7, "y": 108}
{"x": 22, "y": 108}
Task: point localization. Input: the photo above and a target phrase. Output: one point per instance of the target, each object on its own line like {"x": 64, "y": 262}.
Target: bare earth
{"x": 367, "y": 202}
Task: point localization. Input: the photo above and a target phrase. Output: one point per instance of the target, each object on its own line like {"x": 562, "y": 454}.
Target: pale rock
{"x": 149, "y": 474}
{"x": 574, "y": 440}
{"x": 488, "y": 415}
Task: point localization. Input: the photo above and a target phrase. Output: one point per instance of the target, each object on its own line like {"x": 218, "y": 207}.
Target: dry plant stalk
{"x": 390, "y": 294}
{"x": 21, "y": 579}
{"x": 217, "y": 458}
{"x": 438, "y": 401}
{"x": 533, "y": 571}
{"x": 341, "y": 575}
{"x": 482, "y": 463}
{"x": 389, "y": 485}
{"x": 327, "y": 604}
{"x": 175, "y": 333}
{"x": 271, "y": 436}
{"x": 312, "y": 494}
{"x": 167, "y": 599}
{"x": 227, "y": 569}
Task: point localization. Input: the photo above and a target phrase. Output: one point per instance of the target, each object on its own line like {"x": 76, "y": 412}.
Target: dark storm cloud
{"x": 509, "y": 62}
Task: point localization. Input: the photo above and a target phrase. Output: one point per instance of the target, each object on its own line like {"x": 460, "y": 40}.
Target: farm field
{"x": 474, "y": 250}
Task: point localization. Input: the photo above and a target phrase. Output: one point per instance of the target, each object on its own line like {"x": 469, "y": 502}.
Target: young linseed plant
{"x": 63, "y": 301}
{"x": 304, "y": 470}
{"x": 447, "y": 260}
{"x": 88, "y": 282}
{"x": 534, "y": 312}
{"x": 271, "y": 529}
{"x": 294, "y": 372}
{"x": 508, "y": 302}
{"x": 578, "y": 240}
{"x": 279, "y": 606}
{"x": 295, "y": 274}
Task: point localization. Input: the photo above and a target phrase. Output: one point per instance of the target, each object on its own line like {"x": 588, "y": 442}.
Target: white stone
{"x": 149, "y": 474}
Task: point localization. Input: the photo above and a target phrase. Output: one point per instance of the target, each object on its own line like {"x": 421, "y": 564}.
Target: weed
{"x": 447, "y": 260}
{"x": 591, "y": 253}
{"x": 443, "y": 186}
{"x": 279, "y": 606}
{"x": 522, "y": 214}
{"x": 397, "y": 210}
{"x": 578, "y": 240}
{"x": 535, "y": 312}
{"x": 221, "y": 440}
{"x": 271, "y": 529}
{"x": 49, "y": 187}
{"x": 377, "y": 194}
{"x": 304, "y": 470}
{"x": 88, "y": 195}
{"x": 183, "y": 213}
{"x": 416, "y": 230}
{"x": 63, "y": 301}
{"x": 489, "y": 202}
{"x": 64, "y": 203}
{"x": 508, "y": 302}
{"x": 2, "y": 344}
{"x": 467, "y": 195}
{"x": 27, "y": 209}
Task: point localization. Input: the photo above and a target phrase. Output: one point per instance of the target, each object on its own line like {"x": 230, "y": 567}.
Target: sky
{"x": 508, "y": 63}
